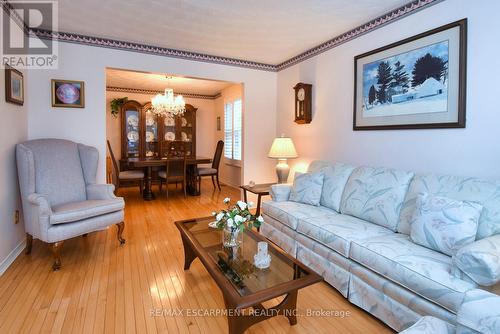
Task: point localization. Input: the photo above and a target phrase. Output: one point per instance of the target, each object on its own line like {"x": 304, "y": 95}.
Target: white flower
{"x": 227, "y": 200}
{"x": 219, "y": 216}
{"x": 260, "y": 219}
{"x": 229, "y": 222}
{"x": 242, "y": 205}
{"x": 214, "y": 213}
{"x": 251, "y": 204}
{"x": 238, "y": 219}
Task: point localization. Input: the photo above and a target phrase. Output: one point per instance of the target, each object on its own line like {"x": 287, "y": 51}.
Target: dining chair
{"x": 214, "y": 170}
{"x": 176, "y": 166}
{"x": 127, "y": 175}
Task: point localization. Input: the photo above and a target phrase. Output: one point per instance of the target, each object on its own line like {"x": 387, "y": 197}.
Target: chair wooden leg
{"x": 213, "y": 181}
{"x": 161, "y": 184}
{"x": 29, "y": 243}
{"x": 199, "y": 184}
{"x": 121, "y": 227}
{"x": 141, "y": 186}
{"x": 55, "y": 248}
{"x": 184, "y": 187}
{"x": 218, "y": 183}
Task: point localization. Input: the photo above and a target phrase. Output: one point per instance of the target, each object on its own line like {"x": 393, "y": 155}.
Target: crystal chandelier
{"x": 168, "y": 104}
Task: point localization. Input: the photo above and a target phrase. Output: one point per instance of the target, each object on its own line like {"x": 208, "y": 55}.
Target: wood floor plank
{"x": 103, "y": 287}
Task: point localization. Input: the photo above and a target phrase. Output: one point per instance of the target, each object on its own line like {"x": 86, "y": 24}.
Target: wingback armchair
{"x": 60, "y": 197}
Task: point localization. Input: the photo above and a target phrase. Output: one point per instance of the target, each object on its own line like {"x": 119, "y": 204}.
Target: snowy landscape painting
{"x": 409, "y": 83}
{"x": 415, "y": 83}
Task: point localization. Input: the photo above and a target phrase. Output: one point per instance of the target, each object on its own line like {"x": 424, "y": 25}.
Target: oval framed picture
{"x": 68, "y": 93}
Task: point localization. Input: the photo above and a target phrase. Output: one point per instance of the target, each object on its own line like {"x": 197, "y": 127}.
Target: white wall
{"x": 474, "y": 151}
{"x": 79, "y": 62}
{"x": 13, "y": 131}
{"x": 205, "y": 122}
{"x": 230, "y": 173}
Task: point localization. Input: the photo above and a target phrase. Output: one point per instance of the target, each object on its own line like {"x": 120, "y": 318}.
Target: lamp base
{"x": 282, "y": 170}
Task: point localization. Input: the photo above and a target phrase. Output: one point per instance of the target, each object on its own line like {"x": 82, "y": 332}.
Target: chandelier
{"x": 168, "y": 104}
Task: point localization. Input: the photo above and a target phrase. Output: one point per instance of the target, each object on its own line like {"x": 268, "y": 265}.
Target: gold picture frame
{"x": 68, "y": 93}
{"x": 14, "y": 86}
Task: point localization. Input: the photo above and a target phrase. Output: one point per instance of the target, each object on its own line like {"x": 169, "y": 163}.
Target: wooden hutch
{"x": 145, "y": 134}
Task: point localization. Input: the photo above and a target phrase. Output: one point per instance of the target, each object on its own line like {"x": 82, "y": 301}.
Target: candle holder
{"x": 262, "y": 259}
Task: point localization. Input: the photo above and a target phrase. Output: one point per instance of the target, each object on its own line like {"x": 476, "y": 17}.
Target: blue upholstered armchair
{"x": 59, "y": 195}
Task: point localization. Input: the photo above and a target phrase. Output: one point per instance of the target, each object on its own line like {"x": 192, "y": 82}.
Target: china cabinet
{"x": 144, "y": 134}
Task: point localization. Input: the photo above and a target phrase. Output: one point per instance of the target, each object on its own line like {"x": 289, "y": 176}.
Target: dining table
{"x": 148, "y": 163}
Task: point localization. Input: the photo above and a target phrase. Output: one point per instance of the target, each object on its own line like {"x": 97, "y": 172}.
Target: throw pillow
{"x": 480, "y": 260}
{"x": 444, "y": 224}
{"x": 307, "y": 188}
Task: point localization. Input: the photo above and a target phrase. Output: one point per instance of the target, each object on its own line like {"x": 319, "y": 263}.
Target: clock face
{"x": 301, "y": 94}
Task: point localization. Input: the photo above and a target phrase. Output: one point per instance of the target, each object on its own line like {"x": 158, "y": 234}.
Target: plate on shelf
{"x": 150, "y": 121}
{"x": 150, "y": 136}
{"x": 169, "y": 121}
{"x": 184, "y": 121}
{"x": 133, "y": 136}
{"x": 133, "y": 120}
{"x": 212, "y": 224}
{"x": 184, "y": 136}
{"x": 149, "y": 153}
{"x": 169, "y": 136}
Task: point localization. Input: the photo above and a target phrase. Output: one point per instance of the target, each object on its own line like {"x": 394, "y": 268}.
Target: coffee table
{"x": 244, "y": 286}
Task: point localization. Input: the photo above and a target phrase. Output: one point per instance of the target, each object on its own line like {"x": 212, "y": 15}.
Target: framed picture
{"x": 14, "y": 86}
{"x": 416, "y": 83}
{"x": 218, "y": 123}
{"x": 68, "y": 93}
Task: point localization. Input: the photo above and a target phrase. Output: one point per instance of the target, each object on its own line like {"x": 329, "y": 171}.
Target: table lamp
{"x": 282, "y": 149}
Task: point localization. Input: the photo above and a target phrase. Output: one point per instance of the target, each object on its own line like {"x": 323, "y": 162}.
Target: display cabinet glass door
{"x": 151, "y": 135}
{"x": 132, "y": 132}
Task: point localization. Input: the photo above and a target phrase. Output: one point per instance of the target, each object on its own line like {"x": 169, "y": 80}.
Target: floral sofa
{"x": 358, "y": 238}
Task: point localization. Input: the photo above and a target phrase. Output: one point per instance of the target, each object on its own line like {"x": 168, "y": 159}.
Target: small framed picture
{"x": 14, "y": 86}
{"x": 68, "y": 93}
{"x": 218, "y": 123}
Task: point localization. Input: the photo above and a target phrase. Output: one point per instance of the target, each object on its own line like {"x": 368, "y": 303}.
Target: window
{"x": 233, "y": 130}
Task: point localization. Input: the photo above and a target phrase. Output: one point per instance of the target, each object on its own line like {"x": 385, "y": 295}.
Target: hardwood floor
{"x": 105, "y": 288}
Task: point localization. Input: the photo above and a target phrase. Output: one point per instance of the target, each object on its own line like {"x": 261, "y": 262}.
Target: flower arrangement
{"x": 236, "y": 218}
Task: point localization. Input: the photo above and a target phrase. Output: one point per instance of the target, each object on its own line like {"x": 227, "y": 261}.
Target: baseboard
{"x": 12, "y": 257}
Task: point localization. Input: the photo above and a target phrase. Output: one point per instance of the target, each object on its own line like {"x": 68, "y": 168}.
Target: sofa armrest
{"x": 480, "y": 311}
{"x": 42, "y": 203}
{"x": 280, "y": 192}
{"x": 100, "y": 191}
{"x": 480, "y": 260}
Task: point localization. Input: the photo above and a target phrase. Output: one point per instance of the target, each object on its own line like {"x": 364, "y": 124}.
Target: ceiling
{"x": 158, "y": 82}
{"x": 267, "y": 31}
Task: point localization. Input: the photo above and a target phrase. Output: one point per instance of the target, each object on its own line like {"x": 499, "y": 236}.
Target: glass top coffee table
{"x": 242, "y": 284}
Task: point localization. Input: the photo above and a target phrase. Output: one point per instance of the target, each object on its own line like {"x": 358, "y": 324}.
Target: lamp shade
{"x": 282, "y": 148}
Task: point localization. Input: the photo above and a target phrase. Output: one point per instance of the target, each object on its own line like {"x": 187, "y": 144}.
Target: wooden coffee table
{"x": 244, "y": 286}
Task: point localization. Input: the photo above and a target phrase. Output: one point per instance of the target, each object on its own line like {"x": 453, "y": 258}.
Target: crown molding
{"x": 154, "y": 92}
{"x": 387, "y": 18}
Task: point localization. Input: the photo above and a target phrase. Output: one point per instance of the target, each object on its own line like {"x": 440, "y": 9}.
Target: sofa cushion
{"x": 336, "y": 231}
{"x": 425, "y": 272}
{"x": 428, "y": 325}
{"x": 307, "y": 188}
{"x": 289, "y": 212}
{"x": 376, "y": 195}
{"x": 484, "y": 192}
{"x": 444, "y": 224}
{"x": 480, "y": 312}
{"x": 334, "y": 181}
{"x": 74, "y": 211}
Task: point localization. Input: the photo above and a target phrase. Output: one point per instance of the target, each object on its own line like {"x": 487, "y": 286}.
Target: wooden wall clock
{"x": 303, "y": 103}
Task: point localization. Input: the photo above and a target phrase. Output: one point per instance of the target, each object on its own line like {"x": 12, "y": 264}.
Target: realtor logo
{"x": 20, "y": 47}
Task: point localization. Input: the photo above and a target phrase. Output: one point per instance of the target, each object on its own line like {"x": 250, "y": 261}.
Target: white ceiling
{"x": 154, "y": 81}
{"x": 268, "y": 31}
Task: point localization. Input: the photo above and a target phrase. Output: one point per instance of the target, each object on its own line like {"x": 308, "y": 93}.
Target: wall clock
{"x": 303, "y": 103}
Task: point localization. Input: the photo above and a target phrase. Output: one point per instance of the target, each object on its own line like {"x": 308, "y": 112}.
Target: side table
{"x": 259, "y": 190}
